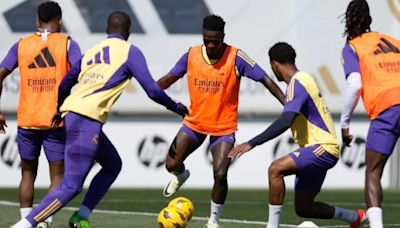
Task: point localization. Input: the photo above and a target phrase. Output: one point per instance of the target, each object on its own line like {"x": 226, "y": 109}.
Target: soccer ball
{"x": 170, "y": 217}
{"x": 184, "y": 205}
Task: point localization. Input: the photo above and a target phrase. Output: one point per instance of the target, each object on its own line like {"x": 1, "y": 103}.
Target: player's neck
{"x": 288, "y": 71}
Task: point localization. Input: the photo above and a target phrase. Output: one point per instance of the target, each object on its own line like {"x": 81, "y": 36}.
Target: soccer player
{"x": 306, "y": 113}
{"x": 43, "y": 59}
{"x": 214, "y": 71}
{"x": 371, "y": 63}
{"x": 101, "y": 75}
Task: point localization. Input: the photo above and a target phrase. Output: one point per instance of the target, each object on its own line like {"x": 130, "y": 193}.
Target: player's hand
{"x": 181, "y": 109}
{"x": 56, "y": 120}
{"x": 3, "y": 124}
{"x": 346, "y": 137}
{"x": 239, "y": 150}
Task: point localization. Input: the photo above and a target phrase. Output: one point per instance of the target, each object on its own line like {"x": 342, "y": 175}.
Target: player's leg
{"x": 80, "y": 152}
{"x": 220, "y": 147}
{"x": 54, "y": 146}
{"x": 375, "y": 163}
{"x": 312, "y": 165}
{"x": 382, "y": 137}
{"x": 29, "y": 146}
{"x": 373, "y": 188}
{"x": 277, "y": 171}
{"x": 185, "y": 142}
{"x": 111, "y": 164}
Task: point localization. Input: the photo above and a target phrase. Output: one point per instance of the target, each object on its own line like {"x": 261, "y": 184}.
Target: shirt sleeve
{"x": 247, "y": 67}
{"x": 138, "y": 68}
{"x": 70, "y": 79}
{"x": 350, "y": 60}
{"x": 10, "y": 62}
{"x": 296, "y": 97}
{"x": 279, "y": 126}
{"x": 74, "y": 52}
{"x": 180, "y": 68}
{"x": 353, "y": 88}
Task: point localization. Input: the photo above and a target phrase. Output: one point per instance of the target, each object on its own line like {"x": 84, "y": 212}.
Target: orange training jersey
{"x": 379, "y": 58}
{"x": 214, "y": 91}
{"x": 42, "y": 66}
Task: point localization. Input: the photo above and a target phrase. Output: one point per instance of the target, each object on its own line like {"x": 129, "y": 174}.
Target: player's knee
{"x": 116, "y": 167}
{"x": 274, "y": 169}
{"x": 72, "y": 189}
{"x": 220, "y": 176}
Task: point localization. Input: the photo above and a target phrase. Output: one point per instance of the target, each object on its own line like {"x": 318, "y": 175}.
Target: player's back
{"x": 101, "y": 80}
{"x": 379, "y": 59}
{"x": 42, "y": 63}
{"x": 314, "y": 125}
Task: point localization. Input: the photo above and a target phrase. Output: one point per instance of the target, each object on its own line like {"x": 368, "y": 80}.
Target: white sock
{"x": 375, "y": 217}
{"x": 347, "y": 215}
{"x": 23, "y": 223}
{"x": 274, "y": 215}
{"x": 84, "y": 211}
{"x": 25, "y": 211}
{"x": 216, "y": 212}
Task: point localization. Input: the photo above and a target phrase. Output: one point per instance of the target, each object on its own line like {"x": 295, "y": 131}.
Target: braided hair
{"x": 358, "y": 19}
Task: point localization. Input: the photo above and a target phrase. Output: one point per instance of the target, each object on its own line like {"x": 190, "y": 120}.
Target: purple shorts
{"x": 214, "y": 140}
{"x": 31, "y": 141}
{"x": 384, "y": 131}
{"x": 312, "y": 164}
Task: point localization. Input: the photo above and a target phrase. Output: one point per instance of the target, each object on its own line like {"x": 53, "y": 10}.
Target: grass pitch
{"x": 243, "y": 208}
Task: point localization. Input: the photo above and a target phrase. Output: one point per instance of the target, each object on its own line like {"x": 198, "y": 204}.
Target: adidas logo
{"x": 105, "y": 54}
{"x": 43, "y": 60}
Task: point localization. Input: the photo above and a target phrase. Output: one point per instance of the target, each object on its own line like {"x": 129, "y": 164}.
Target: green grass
{"x": 138, "y": 207}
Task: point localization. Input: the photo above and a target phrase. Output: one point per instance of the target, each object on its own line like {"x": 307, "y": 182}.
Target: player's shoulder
{"x": 245, "y": 57}
{"x": 304, "y": 78}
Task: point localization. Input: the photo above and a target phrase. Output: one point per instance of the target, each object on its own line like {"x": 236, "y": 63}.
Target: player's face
{"x": 275, "y": 69}
{"x": 214, "y": 42}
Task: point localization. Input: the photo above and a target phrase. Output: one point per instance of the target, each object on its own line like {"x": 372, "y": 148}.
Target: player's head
{"x": 213, "y": 35}
{"x": 358, "y": 19}
{"x": 281, "y": 54}
{"x": 50, "y": 13}
{"x": 119, "y": 23}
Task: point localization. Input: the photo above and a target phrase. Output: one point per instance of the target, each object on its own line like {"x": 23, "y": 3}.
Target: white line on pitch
{"x": 9, "y": 203}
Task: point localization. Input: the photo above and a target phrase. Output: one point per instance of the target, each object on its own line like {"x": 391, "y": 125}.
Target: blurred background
{"x": 164, "y": 30}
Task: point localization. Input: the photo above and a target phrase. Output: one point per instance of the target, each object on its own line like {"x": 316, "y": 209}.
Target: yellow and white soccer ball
{"x": 170, "y": 217}
{"x": 184, "y": 205}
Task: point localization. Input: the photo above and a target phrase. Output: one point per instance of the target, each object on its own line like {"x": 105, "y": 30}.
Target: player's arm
{"x": 64, "y": 90}
{"x": 8, "y": 64}
{"x": 280, "y": 125}
{"x": 247, "y": 67}
{"x": 177, "y": 72}
{"x": 74, "y": 52}
{"x": 138, "y": 67}
{"x": 353, "y": 87}
{"x": 273, "y": 88}
{"x": 298, "y": 96}
{"x": 70, "y": 79}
